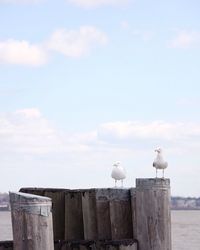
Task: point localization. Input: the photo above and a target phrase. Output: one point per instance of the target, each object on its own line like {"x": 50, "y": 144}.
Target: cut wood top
{"x": 152, "y": 183}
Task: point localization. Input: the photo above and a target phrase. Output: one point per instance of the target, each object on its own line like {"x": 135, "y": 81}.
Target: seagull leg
{"x": 163, "y": 173}
{"x": 122, "y": 183}
{"x": 156, "y": 172}
{"x": 115, "y": 183}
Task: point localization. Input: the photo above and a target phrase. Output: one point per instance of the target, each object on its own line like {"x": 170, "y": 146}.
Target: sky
{"x": 85, "y": 83}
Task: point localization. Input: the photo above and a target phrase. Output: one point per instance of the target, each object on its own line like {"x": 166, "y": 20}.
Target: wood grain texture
{"x": 89, "y": 215}
{"x": 31, "y": 222}
{"x": 74, "y": 229}
{"x": 153, "y": 218}
{"x": 57, "y": 196}
{"x": 58, "y": 212}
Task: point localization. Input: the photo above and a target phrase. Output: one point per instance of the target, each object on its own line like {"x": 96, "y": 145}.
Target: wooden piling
{"x": 120, "y": 214}
{"x": 57, "y": 196}
{"x": 153, "y": 219}
{"x": 31, "y": 221}
{"x": 133, "y": 210}
{"x": 108, "y": 214}
{"x": 89, "y": 215}
{"x": 74, "y": 228}
{"x": 113, "y": 214}
{"x": 98, "y": 214}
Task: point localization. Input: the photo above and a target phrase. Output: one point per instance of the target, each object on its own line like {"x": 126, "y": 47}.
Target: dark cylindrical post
{"x": 31, "y": 221}
{"x": 153, "y": 218}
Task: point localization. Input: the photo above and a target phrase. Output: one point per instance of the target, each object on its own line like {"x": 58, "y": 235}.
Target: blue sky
{"x": 84, "y": 83}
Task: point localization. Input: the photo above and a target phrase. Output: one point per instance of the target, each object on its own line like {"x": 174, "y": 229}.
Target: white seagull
{"x": 118, "y": 173}
{"x": 159, "y": 162}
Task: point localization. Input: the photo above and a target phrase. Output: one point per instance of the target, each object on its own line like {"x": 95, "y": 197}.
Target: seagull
{"x": 159, "y": 162}
{"x": 118, "y": 173}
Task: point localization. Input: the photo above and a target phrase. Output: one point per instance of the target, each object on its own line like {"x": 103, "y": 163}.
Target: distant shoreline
{"x": 4, "y": 208}
{"x": 172, "y": 209}
{"x": 177, "y": 203}
{"x": 185, "y": 209}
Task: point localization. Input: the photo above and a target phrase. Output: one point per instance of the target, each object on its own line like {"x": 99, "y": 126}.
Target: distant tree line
{"x": 4, "y": 202}
{"x": 176, "y": 201}
{"x": 185, "y": 203}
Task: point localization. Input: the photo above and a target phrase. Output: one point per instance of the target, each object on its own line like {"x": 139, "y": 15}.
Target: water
{"x": 185, "y": 229}
{"x": 5, "y": 226}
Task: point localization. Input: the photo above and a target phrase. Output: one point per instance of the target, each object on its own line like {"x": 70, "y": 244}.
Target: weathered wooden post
{"x": 57, "y": 196}
{"x": 31, "y": 221}
{"x": 152, "y": 211}
{"x": 98, "y": 214}
{"x": 133, "y": 210}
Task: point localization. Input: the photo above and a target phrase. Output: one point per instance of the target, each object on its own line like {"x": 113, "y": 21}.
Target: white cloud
{"x": 27, "y": 131}
{"x": 185, "y": 39}
{"x": 21, "y": 52}
{"x": 176, "y": 137}
{"x": 29, "y": 144}
{"x": 76, "y": 43}
{"x": 32, "y": 113}
{"x": 71, "y": 43}
{"x": 97, "y": 3}
{"x": 159, "y": 131}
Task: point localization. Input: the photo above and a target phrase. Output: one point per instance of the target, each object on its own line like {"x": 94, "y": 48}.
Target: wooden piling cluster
{"x": 90, "y": 214}
{"x": 121, "y": 219}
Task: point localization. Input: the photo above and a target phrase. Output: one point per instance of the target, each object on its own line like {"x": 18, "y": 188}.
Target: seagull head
{"x": 117, "y": 163}
{"x": 158, "y": 150}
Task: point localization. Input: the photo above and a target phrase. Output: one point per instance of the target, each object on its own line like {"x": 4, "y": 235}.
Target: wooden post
{"x": 57, "y": 196}
{"x": 89, "y": 215}
{"x": 31, "y": 221}
{"x": 98, "y": 214}
{"x": 133, "y": 210}
{"x": 120, "y": 214}
{"x": 73, "y": 216}
{"x": 153, "y": 218}
{"x": 109, "y": 216}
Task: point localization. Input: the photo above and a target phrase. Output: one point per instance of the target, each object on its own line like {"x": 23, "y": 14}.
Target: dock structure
{"x": 110, "y": 218}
